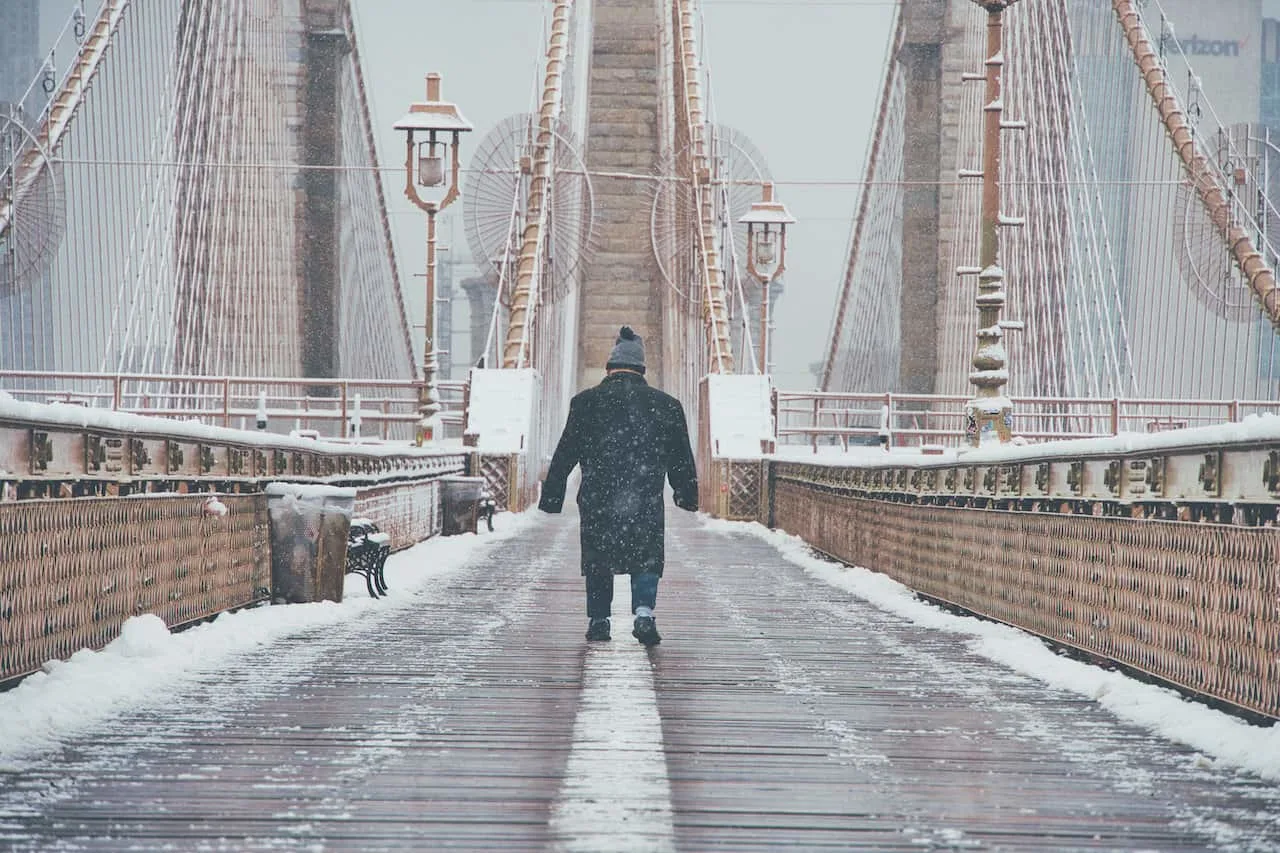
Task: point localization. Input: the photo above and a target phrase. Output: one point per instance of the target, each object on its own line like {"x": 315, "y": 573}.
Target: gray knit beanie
{"x": 628, "y": 352}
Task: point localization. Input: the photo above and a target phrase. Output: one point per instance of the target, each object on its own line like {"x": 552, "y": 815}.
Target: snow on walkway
{"x": 1222, "y": 739}
{"x": 142, "y": 667}
{"x": 791, "y": 699}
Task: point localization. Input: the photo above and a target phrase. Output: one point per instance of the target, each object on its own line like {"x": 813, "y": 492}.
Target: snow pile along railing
{"x": 169, "y": 518}
{"x": 1155, "y": 552}
{"x": 72, "y": 572}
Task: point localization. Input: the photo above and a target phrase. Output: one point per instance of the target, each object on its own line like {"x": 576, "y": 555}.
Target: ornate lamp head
{"x": 767, "y": 222}
{"x": 432, "y": 121}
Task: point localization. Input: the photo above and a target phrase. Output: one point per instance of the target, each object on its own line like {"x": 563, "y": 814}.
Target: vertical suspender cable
{"x": 855, "y": 240}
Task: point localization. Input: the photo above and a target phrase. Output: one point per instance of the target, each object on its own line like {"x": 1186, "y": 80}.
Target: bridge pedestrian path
{"x": 779, "y": 712}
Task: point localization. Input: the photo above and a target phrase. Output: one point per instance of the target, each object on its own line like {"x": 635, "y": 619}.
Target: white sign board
{"x": 741, "y": 416}
{"x": 500, "y": 409}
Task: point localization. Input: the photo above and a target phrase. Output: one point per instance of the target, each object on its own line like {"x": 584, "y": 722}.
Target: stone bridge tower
{"x": 924, "y": 36}
{"x": 621, "y": 284}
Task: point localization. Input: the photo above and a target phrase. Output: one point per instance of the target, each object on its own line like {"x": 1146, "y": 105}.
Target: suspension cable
{"x": 708, "y": 249}
{"x": 517, "y": 350}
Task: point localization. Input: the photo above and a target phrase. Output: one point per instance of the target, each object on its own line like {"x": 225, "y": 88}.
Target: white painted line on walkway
{"x": 615, "y": 795}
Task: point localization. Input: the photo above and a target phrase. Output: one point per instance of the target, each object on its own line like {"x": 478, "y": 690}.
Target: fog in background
{"x": 799, "y": 77}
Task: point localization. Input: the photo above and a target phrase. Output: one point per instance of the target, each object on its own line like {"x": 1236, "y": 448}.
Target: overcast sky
{"x": 799, "y": 77}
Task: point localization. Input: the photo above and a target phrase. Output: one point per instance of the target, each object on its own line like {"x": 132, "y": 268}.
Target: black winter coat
{"x": 628, "y": 438}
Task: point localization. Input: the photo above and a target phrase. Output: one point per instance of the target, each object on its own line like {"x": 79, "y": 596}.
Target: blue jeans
{"x": 644, "y": 593}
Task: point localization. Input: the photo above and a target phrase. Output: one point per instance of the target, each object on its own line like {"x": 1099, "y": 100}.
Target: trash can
{"x": 460, "y": 504}
{"x": 309, "y": 526}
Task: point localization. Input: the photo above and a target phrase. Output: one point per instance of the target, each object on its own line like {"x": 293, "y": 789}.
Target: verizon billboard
{"x": 1222, "y": 41}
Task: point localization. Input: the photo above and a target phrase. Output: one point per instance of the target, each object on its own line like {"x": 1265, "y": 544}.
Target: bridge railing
{"x": 335, "y": 408}
{"x": 827, "y": 420}
{"x": 1156, "y": 553}
{"x": 1187, "y": 597}
{"x": 104, "y": 516}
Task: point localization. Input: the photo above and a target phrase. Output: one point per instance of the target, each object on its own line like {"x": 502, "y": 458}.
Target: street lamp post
{"x": 990, "y": 412}
{"x": 767, "y": 222}
{"x": 426, "y": 127}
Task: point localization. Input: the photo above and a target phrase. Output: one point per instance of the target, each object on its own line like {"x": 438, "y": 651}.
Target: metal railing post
{"x": 888, "y": 420}
{"x": 342, "y": 422}
{"x": 816, "y": 402}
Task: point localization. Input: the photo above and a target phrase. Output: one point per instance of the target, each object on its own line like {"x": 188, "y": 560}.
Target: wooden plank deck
{"x": 778, "y": 712}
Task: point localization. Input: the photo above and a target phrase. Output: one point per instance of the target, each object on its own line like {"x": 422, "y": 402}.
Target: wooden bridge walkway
{"x": 779, "y": 712}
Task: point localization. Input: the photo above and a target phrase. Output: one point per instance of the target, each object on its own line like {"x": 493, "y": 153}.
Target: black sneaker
{"x": 598, "y": 629}
{"x": 646, "y": 631}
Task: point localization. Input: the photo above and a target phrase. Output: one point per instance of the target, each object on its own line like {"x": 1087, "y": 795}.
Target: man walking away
{"x": 628, "y": 437}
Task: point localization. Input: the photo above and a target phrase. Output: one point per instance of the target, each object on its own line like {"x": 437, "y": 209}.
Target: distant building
{"x": 1221, "y": 40}
{"x": 19, "y": 47}
{"x": 19, "y": 64}
{"x": 1269, "y": 119}
{"x": 1225, "y": 46}
{"x": 481, "y": 292}
{"x": 1270, "y": 77}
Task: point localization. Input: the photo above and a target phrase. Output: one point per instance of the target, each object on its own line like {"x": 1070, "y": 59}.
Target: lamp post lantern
{"x": 432, "y": 129}
{"x": 766, "y": 222}
{"x": 990, "y": 412}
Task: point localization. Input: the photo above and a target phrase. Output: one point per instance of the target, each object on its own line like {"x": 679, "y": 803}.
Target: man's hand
{"x": 550, "y": 501}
